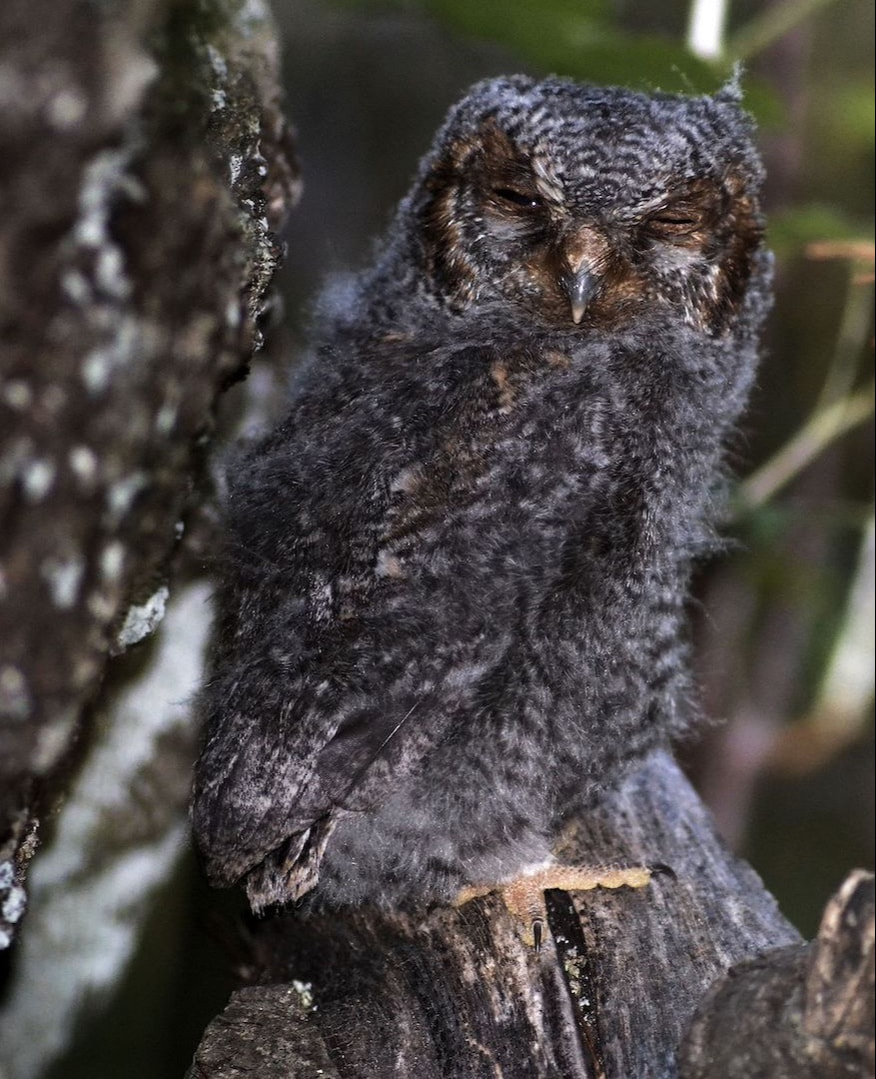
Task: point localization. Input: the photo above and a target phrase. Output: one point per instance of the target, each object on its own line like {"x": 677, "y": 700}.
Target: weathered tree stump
{"x": 799, "y": 1012}
{"x": 455, "y": 994}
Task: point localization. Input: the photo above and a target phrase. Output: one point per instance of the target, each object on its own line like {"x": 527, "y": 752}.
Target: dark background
{"x": 788, "y": 766}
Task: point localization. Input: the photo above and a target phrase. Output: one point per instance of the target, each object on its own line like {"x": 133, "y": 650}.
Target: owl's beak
{"x": 580, "y": 287}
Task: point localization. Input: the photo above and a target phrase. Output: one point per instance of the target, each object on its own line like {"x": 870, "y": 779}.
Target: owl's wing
{"x": 335, "y": 670}
{"x": 396, "y": 548}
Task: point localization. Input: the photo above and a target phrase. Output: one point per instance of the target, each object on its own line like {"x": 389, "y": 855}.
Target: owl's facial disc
{"x": 569, "y": 230}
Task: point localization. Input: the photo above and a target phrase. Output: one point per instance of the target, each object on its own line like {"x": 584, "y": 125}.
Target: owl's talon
{"x": 524, "y": 895}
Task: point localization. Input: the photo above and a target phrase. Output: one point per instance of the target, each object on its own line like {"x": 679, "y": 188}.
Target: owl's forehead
{"x": 599, "y": 151}
{"x": 588, "y": 144}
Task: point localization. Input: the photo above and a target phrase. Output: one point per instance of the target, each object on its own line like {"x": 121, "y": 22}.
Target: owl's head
{"x": 584, "y": 206}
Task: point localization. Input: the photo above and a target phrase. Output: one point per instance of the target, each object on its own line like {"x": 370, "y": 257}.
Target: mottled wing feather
{"x": 309, "y": 707}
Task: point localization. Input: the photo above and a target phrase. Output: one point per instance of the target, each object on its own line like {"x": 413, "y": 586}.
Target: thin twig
{"x": 823, "y": 427}
{"x": 853, "y": 330}
{"x": 842, "y": 705}
{"x": 761, "y": 31}
{"x": 837, "y": 410}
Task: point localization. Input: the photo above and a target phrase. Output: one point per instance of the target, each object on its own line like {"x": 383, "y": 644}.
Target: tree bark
{"x": 800, "y": 1012}
{"x": 455, "y": 994}
{"x": 144, "y": 166}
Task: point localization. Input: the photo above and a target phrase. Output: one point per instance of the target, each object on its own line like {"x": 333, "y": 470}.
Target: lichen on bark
{"x": 145, "y": 167}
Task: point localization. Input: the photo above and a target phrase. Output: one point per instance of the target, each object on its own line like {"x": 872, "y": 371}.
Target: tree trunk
{"x": 144, "y": 164}
{"x": 455, "y": 994}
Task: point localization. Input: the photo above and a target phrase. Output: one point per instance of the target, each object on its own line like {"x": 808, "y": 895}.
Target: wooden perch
{"x": 797, "y": 1012}
{"x": 454, "y": 994}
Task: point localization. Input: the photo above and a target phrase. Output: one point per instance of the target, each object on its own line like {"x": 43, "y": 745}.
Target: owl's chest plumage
{"x": 484, "y": 598}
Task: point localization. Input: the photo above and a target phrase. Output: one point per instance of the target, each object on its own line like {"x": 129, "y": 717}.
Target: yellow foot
{"x": 524, "y": 896}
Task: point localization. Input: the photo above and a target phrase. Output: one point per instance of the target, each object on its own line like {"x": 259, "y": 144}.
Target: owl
{"x": 451, "y": 610}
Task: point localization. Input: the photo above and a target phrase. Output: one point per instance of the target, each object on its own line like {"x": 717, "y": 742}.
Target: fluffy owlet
{"x": 452, "y": 602}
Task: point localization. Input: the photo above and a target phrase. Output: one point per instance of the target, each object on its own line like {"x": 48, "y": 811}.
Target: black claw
{"x": 537, "y": 931}
{"x": 659, "y": 869}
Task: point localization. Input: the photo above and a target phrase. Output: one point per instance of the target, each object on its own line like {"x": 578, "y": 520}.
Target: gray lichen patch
{"x": 67, "y": 108}
{"x": 166, "y": 418}
{"x": 15, "y": 699}
{"x": 37, "y": 477}
{"x": 17, "y": 394}
{"x": 21, "y": 844}
{"x": 124, "y": 343}
{"x": 106, "y": 174}
{"x": 121, "y": 494}
{"x": 111, "y": 561}
{"x": 14, "y": 904}
{"x": 63, "y": 577}
{"x": 83, "y": 465}
{"x": 53, "y": 740}
{"x": 143, "y": 618}
{"x": 304, "y": 992}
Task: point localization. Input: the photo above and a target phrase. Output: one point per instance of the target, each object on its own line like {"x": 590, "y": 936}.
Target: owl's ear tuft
{"x": 731, "y": 92}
